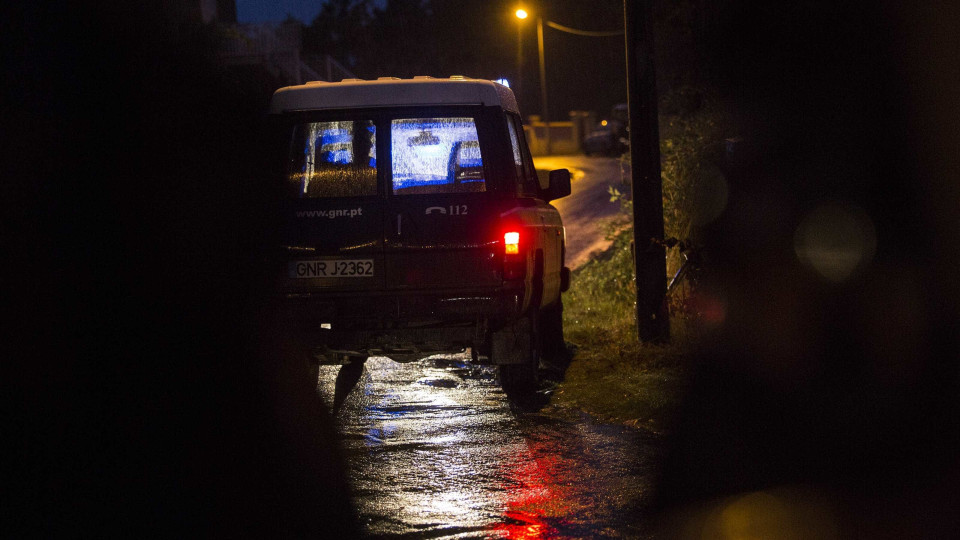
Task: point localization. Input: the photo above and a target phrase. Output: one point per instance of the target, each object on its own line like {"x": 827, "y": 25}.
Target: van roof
{"x": 392, "y": 92}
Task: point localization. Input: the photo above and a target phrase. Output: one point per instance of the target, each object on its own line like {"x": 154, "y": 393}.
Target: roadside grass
{"x": 612, "y": 376}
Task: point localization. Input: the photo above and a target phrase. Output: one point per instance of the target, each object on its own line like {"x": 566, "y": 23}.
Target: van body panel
{"x": 441, "y": 241}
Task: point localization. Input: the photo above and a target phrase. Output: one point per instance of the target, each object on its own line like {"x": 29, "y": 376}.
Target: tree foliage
{"x": 406, "y": 38}
{"x": 340, "y": 30}
{"x": 478, "y": 38}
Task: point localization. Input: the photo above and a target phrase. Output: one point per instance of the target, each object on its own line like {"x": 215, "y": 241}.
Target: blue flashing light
{"x": 342, "y": 157}
{"x": 335, "y": 136}
{"x": 503, "y": 82}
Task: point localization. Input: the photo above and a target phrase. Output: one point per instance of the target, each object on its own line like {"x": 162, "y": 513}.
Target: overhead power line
{"x": 569, "y": 30}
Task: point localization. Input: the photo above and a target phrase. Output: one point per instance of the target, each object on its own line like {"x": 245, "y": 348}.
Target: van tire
{"x": 523, "y": 378}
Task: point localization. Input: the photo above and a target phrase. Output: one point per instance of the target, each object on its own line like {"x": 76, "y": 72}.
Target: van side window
{"x": 333, "y": 159}
{"x": 515, "y": 146}
{"x": 529, "y": 184}
{"x": 436, "y": 155}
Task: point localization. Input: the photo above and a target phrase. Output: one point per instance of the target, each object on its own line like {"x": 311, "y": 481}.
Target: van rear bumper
{"x": 390, "y": 309}
{"x": 405, "y": 325}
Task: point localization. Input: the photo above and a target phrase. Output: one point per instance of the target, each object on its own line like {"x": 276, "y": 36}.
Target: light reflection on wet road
{"x": 435, "y": 451}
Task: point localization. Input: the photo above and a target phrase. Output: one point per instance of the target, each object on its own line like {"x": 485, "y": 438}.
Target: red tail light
{"x": 511, "y": 243}
{"x": 514, "y": 264}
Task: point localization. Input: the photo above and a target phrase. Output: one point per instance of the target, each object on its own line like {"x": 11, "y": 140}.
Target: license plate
{"x": 332, "y": 268}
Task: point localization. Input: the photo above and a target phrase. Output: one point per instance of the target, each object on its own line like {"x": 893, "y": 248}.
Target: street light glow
{"x": 521, "y": 14}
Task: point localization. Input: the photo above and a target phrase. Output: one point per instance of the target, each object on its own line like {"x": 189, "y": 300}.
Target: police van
{"x": 413, "y": 223}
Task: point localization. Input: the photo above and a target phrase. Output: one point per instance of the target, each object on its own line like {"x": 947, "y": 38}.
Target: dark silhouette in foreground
{"x": 148, "y": 389}
{"x": 347, "y": 378}
{"x": 823, "y": 403}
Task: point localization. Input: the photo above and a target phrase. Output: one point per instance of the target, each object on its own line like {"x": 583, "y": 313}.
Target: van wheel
{"x": 523, "y": 378}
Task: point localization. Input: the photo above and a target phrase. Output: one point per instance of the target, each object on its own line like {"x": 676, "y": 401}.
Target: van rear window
{"x": 333, "y": 159}
{"x": 436, "y": 155}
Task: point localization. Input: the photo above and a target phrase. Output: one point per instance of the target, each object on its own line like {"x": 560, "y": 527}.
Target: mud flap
{"x": 512, "y": 344}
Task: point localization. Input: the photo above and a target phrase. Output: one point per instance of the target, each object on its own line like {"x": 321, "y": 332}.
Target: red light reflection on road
{"x": 535, "y": 491}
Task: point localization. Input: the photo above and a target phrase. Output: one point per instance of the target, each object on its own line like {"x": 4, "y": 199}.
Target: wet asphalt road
{"x": 435, "y": 450}
{"x": 587, "y": 209}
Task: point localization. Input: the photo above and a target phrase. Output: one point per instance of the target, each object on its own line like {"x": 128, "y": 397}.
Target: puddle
{"x": 438, "y": 455}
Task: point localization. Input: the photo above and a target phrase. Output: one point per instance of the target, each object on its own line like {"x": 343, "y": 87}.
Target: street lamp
{"x": 544, "y": 115}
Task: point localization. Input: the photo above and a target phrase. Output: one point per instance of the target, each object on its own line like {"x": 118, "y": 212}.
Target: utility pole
{"x": 543, "y": 83}
{"x": 650, "y": 264}
{"x": 519, "y": 84}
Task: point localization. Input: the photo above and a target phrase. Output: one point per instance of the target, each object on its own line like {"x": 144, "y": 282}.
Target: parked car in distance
{"x": 604, "y": 141}
{"x": 413, "y": 223}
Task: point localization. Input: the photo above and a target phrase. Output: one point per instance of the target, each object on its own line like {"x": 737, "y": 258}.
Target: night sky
{"x": 277, "y": 10}
{"x": 583, "y": 73}
{"x": 253, "y": 11}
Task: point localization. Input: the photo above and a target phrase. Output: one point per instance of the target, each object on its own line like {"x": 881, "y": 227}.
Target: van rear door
{"x": 333, "y": 210}
{"x": 441, "y": 217}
